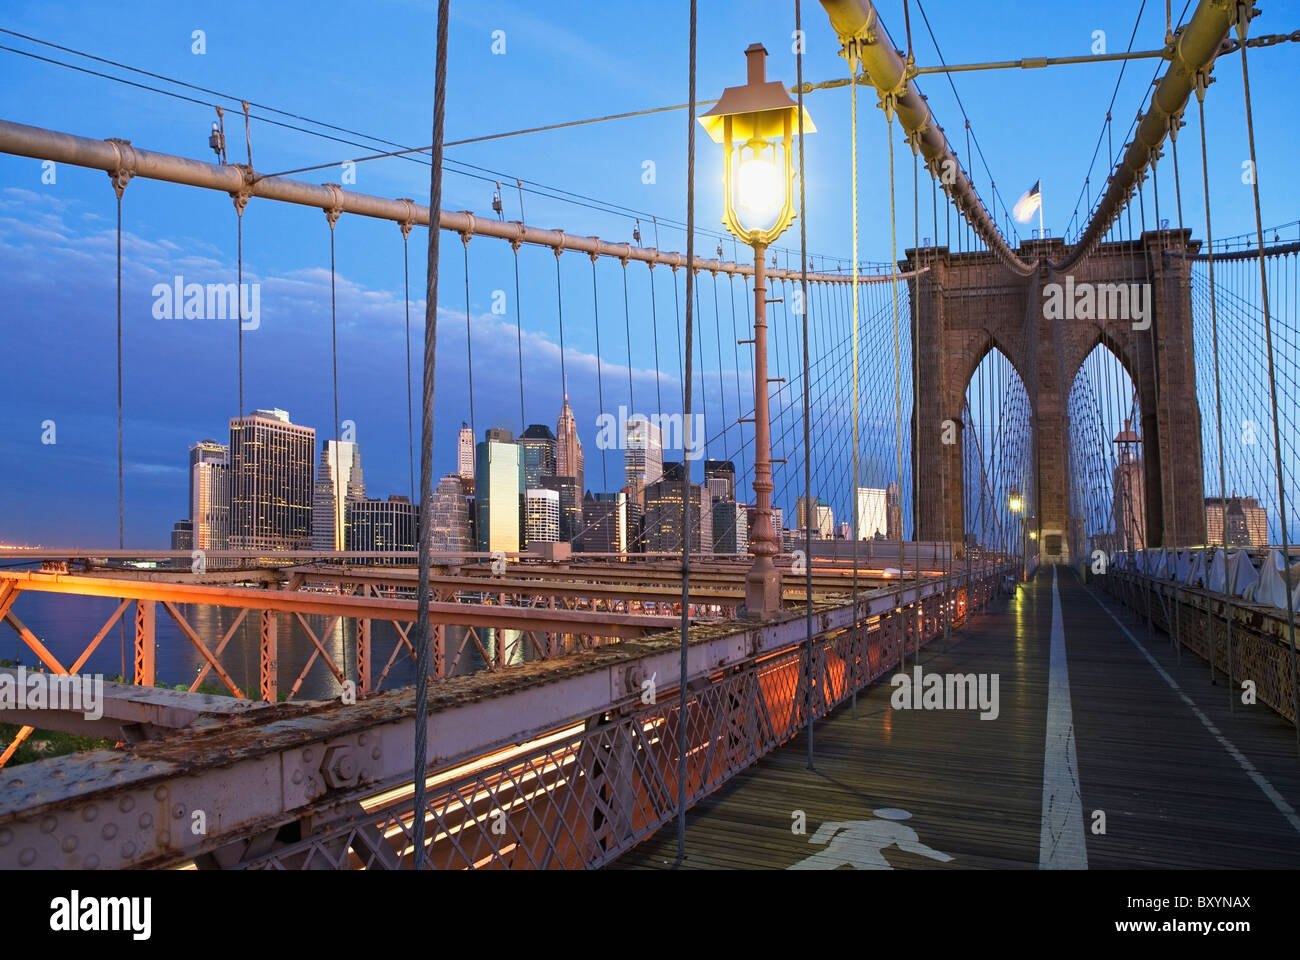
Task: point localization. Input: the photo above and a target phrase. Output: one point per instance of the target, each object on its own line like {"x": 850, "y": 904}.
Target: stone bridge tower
{"x": 970, "y": 303}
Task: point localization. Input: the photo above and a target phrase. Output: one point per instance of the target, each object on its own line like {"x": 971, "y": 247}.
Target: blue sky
{"x": 369, "y": 68}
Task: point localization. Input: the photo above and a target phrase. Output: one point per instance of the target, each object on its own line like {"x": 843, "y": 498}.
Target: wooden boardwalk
{"x": 1182, "y": 780}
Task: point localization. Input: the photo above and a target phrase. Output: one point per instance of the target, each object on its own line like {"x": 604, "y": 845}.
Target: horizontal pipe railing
{"x": 120, "y": 158}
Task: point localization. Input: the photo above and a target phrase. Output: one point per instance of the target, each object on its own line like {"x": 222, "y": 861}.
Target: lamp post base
{"x": 762, "y": 593}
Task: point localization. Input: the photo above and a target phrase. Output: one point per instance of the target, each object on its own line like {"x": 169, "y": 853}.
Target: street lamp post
{"x": 755, "y": 124}
{"x": 1016, "y": 504}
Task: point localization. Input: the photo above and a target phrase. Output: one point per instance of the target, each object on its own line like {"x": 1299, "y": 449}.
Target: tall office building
{"x": 730, "y": 527}
{"x": 643, "y": 452}
{"x": 383, "y": 526}
{"x": 604, "y": 518}
{"x": 539, "y": 446}
{"x": 674, "y": 471}
{"x": 568, "y": 448}
{"x": 823, "y": 518}
{"x": 210, "y": 495}
{"x": 570, "y": 505}
{"x": 338, "y": 481}
{"x": 663, "y": 518}
{"x": 634, "y": 540}
{"x": 499, "y": 493}
{"x": 465, "y": 452}
{"x": 271, "y": 460}
{"x": 873, "y": 516}
{"x": 1235, "y": 522}
{"x": 182, "y": 536}
{"x": 541, "y": 515}
{"x": 449, "y": 516}
{"x": 893, "y": 513}
{"x": 720, "y": 478}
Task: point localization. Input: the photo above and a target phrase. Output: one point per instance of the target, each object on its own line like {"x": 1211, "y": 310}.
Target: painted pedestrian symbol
{"x": 861, "y": 843}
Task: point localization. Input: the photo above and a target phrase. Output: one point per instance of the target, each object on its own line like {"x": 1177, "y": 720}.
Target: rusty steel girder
{"x": 283, "y": 763}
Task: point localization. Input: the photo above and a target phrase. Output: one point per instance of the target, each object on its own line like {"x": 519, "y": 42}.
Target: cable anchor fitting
{"x": 409, "y": 222}
{"x": 125, "y": 169}
{"x": 332, "y": 212}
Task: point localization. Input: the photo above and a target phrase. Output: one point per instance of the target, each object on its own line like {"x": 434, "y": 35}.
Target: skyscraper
{"x": 182, "y": 536}
{"x": 449, "y": 523}
{"x": 465, "y": 452}
{"x": 539, "y": 446}
{"x": 568, "y": 449}
{"x": 643, "y": 452}
{"x": 730, "y": 527}
{"x": 382, "y": 526}
{"x": 499, "y": 491}
{"x": 720, "y": 478}
{"x": 338, "y": 481}
{"x": 873, "y": 515}
{"x": 893, "y": 513}
{"x": 210, "y": 495}
{"x": 570, "y": 505}
{"x": 541, "y": 515}
{"x": 663, "y": 518}
{"x": 1235, "y": 522}
{"x": 823, "y": 518}
{"x": 271, "y": 462}
{"x": 604, "y": 518}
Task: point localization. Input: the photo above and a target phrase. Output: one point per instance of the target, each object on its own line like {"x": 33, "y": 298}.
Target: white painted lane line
{"x": 1061, "y": 841}
{"x": 1260, "y": 780}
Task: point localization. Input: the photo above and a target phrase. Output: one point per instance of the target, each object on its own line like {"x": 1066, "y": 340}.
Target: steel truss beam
{"x": 138, "y": 807}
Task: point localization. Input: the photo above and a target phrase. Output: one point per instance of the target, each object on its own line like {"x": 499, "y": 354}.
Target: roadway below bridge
{"x": 1094, "y": 719}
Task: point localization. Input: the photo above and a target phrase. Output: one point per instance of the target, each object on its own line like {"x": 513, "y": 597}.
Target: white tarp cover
{"x": 1271, "y": 590}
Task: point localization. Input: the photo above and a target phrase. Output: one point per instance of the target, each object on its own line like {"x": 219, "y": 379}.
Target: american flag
{"x": 1028, "y": 204}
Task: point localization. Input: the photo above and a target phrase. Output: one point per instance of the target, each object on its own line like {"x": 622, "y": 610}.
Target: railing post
{"x": 268, "y": 660}
{"x": 144, "y": 643}
{"x": 363, "y": 657}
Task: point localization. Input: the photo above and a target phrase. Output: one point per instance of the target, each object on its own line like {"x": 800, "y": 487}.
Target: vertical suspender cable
{"x": 677, "y": 313}
{"x": 426, "y": 444}
{"x": 119, "y": 185}
{"x": 853, "y": 494}
{"x": 686, "y": 479}
{"x": 121, "y": 502}
{"x": 334, "y": 360}
{"x": 654, "y": 318}
{"x": 239, "y": 316}
{"x": 898, "y": 387}
{"x": 807, "y": 433}
{"x": 704, "y": 404}
{"x": 600, "y": 380}
{"x": 469, "y": 346}
{"x": 559, "y": 307}
{"x": 519, "y": 337}
{"x": 722, "y": 394}
{"x": 627, "y": 329}
{"x": 1243, "y": 23}
{"x": 410, "y": 416}
{"x": 919, "y": 619}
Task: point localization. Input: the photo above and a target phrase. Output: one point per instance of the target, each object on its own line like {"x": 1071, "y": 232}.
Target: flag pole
{"x": 1041, "y": 235}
